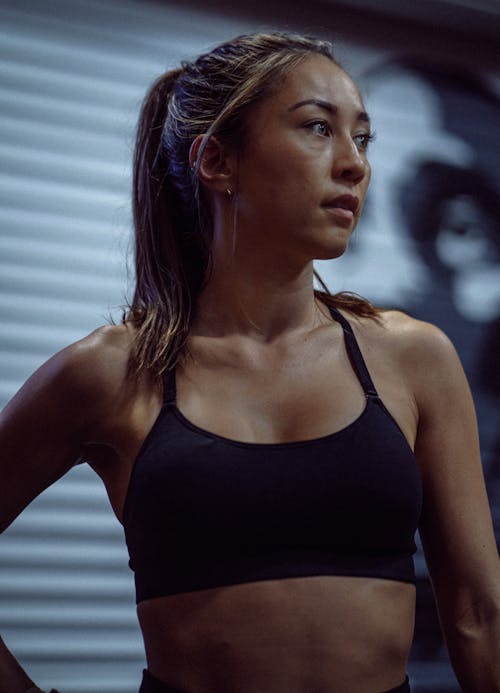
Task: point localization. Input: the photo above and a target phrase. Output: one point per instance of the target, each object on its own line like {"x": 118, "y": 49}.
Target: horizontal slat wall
{"x": 72, "y": 76}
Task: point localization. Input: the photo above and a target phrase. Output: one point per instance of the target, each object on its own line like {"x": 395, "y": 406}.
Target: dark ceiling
{"x": 467, "y": 29}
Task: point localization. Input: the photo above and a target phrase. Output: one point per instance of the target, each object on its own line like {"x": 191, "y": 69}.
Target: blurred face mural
{"x": 430, "y": 236}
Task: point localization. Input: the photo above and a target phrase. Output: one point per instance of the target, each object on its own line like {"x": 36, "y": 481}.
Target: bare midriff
{"x": 318, "y": 634}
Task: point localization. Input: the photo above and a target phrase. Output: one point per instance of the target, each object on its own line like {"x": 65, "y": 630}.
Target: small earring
{"x": 229, "y": 193}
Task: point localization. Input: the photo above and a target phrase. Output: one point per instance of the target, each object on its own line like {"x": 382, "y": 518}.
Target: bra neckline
{"x": 187, "y": 423}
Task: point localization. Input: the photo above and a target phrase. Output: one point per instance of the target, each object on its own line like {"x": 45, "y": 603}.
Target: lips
{"x": 348, "y": 202}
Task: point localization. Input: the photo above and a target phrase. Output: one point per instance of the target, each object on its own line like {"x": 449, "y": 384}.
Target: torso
{"x": 299, "y": 635}
{"x": 317, "y": 634}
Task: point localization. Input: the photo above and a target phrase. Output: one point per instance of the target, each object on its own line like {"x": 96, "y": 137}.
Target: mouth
{"x": 347, "y": 202}
{"x": 342, "y": 208}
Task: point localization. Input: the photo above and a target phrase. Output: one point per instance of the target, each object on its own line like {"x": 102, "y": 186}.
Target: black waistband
{"x": 150, "y": 684}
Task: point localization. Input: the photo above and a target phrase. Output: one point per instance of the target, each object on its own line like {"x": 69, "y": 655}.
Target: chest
{"x": 313, "y": 393}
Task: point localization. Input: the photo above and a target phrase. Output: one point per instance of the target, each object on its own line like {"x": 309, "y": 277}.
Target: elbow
{"x": 473, "y": 644}
{"x": 482, "y": 616}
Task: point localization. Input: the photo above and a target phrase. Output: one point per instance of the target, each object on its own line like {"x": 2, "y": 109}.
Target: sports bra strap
{"x": 355, "y": 355}
{"x": 169, "y": 389}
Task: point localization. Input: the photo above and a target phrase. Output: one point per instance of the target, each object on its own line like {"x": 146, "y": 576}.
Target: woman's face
{"x": 303, "y": 172}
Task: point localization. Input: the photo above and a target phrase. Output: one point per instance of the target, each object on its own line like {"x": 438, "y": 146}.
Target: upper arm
{"x": 45, "y": 426}
{"x": 456, "y": 526}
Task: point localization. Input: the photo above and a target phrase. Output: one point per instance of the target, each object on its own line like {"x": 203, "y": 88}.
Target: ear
{"x": 215, "y": 162}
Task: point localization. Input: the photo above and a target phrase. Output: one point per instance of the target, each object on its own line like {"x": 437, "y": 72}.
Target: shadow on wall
{"x": 442, "y": 187}
{"x": 435, "y": 194}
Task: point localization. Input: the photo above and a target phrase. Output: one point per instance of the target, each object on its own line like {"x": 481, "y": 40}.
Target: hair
{"x": 212, "y": 95}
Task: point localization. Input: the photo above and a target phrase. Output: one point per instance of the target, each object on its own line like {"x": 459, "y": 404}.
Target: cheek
{"x": 296, "y": 178}
{"x": 368, "y": 176}
{"x": 364, "y": 186}
{"x": 278, "y": 182}
{"x": 281, "y": 180}
{"x": 292, "y": 195}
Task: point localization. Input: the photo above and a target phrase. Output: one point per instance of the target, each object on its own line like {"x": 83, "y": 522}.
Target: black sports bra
{"x": 205, "y": 511}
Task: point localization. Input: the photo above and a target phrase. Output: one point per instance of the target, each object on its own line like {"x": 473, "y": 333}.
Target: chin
{"x": 332, "y": 250}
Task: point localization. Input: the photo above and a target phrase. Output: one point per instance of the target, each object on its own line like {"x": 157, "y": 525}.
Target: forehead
{"x": 317, "y": 77}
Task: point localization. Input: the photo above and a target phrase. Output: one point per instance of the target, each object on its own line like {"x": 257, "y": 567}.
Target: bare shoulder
{"x": 415, "y": 338}
{"x": 411, "y": 341}
{"x": 421, "y": 346}
{"x": 424, "y": 355}
{"x": 99, "y": 361}
{"x": 80, "y": 380}
{"x": 87, "y": 369}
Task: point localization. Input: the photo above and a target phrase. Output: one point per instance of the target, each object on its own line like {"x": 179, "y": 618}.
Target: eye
{"x": 363, "y": 140}
{"x": 319, "y": 127}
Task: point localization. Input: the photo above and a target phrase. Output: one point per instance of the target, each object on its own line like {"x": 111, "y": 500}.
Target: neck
{"x": 256, "y": 295}
{"x": 258, "y": 285}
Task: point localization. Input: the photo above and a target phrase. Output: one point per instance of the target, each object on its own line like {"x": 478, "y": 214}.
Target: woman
{"x": 267, "y": 447}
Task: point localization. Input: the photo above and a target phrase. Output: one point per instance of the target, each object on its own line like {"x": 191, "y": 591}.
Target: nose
{"x": 349, "y": 162}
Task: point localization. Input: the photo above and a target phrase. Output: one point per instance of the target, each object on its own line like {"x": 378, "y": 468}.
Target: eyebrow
{"x": 327, "y": 106}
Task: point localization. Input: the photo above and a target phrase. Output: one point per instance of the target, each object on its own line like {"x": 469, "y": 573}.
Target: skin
{"x": 267, "y": 340}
